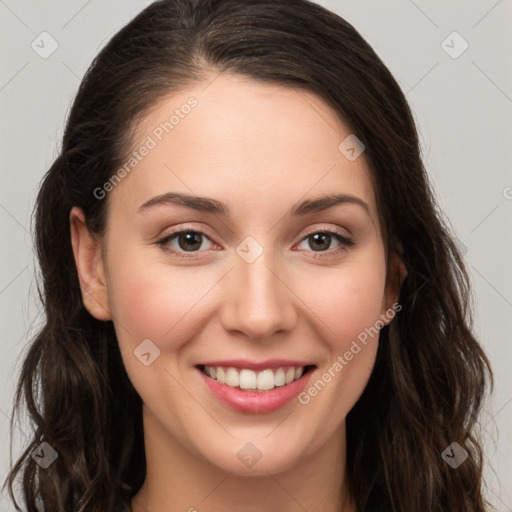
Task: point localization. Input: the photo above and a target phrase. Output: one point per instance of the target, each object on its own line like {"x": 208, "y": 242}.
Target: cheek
{"x": 349, "y": 309}
{"x": 153, "y": 301}
{"x": 347, "y": 299}
{"x": 348, "y": 302}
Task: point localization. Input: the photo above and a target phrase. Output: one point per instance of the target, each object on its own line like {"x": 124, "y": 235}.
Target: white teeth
{"x": 256, "y": 381}
{"x": 266, "y": 380}
{"x": 247, "y": 379}
{"x": 290, "y": 375}
{"x": 232, "y": 378}
{"x": 280, "y": 378}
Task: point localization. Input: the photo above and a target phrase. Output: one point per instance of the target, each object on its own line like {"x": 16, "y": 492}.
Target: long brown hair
{"x": 431, "y": 374}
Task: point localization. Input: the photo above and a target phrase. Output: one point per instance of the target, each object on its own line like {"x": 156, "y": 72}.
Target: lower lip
{"x": 256, "y": 402}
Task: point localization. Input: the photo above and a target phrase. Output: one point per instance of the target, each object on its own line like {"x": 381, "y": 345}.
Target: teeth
{"x": 255, "y": 381}
{"x": 232, "y": 378}
{"x": 280, "y": 378}
{"x": 265, "y": 380}
{"x": 221, "y": 375}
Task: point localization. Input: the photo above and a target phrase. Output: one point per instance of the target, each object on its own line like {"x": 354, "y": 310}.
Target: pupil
{"x": 188, "y": 238}
{"x": 318, "y": 237}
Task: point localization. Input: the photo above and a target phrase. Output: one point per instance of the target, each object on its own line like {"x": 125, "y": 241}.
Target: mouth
{"x": 264, "y": 380}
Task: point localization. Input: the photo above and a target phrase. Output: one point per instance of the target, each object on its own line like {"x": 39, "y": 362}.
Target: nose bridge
{"x": 259, "y": 303}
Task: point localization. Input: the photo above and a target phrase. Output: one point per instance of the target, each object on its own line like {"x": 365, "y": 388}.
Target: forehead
{"x": 248, "y": 143}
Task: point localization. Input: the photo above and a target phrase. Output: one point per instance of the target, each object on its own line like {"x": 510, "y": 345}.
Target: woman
{"x": 252, "y": 301}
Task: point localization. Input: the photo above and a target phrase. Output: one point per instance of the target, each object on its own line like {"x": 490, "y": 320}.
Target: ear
{"x": 397, "y": 272}
{"x": 89, "y": 265}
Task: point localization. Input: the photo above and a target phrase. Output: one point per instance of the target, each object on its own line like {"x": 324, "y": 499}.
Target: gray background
{"x": 462, "y": 106}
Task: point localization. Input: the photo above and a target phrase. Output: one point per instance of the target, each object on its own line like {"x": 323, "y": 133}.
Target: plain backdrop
{"x": 453, "y": 61}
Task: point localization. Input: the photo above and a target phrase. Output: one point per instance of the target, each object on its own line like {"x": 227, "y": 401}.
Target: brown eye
{"x": 189, "y": 240}
{"x": 184, "y": 241}
{"x": 320, "y": 241}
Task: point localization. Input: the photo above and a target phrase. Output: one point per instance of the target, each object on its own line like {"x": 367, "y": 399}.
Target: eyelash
{"x": 344, "y": 241}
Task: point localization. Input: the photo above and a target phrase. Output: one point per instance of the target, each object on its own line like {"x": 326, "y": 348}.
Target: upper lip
{"x": 255, "y": 365}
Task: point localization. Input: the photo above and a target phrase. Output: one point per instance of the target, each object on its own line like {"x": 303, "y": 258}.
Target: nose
{"x": 259, "y": 302}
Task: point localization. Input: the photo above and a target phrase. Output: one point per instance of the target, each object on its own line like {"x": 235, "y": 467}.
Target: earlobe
{"x": 400, "y": 271}
{"x": 90, "y": 267}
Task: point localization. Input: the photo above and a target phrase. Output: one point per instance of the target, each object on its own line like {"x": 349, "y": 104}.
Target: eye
{"x": 320, "y": 241}
{"x": 184, "y": 241}
{"x": 180, "y": 243}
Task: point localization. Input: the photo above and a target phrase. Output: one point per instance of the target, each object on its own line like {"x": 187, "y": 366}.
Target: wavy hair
{"x": 430, "y": 375}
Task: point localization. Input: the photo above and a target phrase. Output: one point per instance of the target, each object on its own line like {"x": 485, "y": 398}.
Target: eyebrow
{"x": 206, "y": 204}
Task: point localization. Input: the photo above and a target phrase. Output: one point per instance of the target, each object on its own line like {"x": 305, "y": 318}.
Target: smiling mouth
{"x": 250, "y": 380}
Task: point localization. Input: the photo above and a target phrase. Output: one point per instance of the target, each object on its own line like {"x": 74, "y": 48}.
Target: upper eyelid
{"x": 326, "y": 229}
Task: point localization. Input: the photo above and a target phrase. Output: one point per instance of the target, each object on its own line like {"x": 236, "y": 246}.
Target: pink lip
{"x": 255, "y": 402}
{"x": 255, "y": 366}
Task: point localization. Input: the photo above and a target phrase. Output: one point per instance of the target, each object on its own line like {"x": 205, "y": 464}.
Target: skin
{"x": 260, "y": 149}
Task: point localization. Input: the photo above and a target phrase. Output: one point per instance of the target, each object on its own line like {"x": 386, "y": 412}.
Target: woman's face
{"x": 251, "y": 284}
